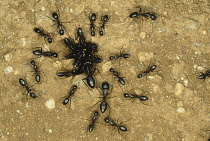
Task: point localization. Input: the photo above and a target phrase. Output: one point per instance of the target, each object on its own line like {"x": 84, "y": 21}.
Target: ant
{"x": 120, "y": 79}
{"x": 45, "y": 35}
{"x": 24, "y": 84}
{"x": 105, "y": 89}
{"x": 92, "y": 19}
{"x": 112, "y": 123}
{"x": 59, "y": 25}
{"x": 150, "y": 69}
{"x": 204, "y": 75}
{"x": 121, "y": 55}
{"x": 40, "y": 53}
{"x": 69, "y": 73}
{"x": 146, "y": 15}
{"x": 35, "y": 68}
{"x": 102, "y": 27}
{"x": 133, "y": 96}
{"x": 81, "y": 37}
{"x": 94, "y": 118}
{"x": 90, "y": 81}
{"x": 71, "y": 92}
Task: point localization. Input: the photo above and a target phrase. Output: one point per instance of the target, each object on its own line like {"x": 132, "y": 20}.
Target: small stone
{"x": 204, "y": 32}
{"x": 185, "y": 82}
{"x": 50, "y": 104}
{"x": 8, "y": 69}
{"x": 197, "y": 45}
{"x": 179, "y": 104}
{"x": 50, "y": 131}
{"x": 155, "y": 78}
{"x": 57, "y": 64}
{"x": 7, "y": 57}
{"x": 180, "y": 110}
{"x": 179, "y": 89}
{"x": 142, "y": 35}
{"x": 191, "y": 24}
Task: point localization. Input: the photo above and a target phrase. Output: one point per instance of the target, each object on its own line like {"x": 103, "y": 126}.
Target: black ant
{"x": 204, "y": 75}
{"x": 134, "y": 96}
{"x": 146, "y": 15}
{"x": 112, "y": 123}
{"x": 104, "y": 20}
{"x": 90, "y": 81}
{"x": 91, "y": 126}
{"x": 45, "y": 35}
{"x": 69, "y": 73}
{"x": 36, "y": 70}
{"x": 105, "y": 89}
{"x": 59, "y": 25}
{"x": 92, "y": 19}
{"x": 150, "y": 69}
{"x": 71, "y": 92}
{"x": 45, "y": 54}
{"x": 121, "y": 55}
{"x": 24, "y": 84}
{"x": 81, "y": 37}
{"x": 120, "y": 79}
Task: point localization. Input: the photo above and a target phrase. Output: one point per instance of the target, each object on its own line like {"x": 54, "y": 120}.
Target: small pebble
{"x": 57, "y": 64}
{"x": 180, "y": 110}
{"x": 7, "y": 57}
{"x": 204, "y": 32}
{"x": 50, "y": 131}
{"x": 50, "y": 104}
{"x": 179, "y": 89}
{"x": 8, "y": 69}
{"x": 142, "y": 35}
{"x": 191, "y": 24}
{"x": 197, "y": 45}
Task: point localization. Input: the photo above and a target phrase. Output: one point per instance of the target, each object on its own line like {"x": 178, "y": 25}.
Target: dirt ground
{"x": 177, "y": 42}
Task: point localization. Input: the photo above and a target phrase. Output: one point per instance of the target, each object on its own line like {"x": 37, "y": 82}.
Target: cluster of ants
{"x": 85, "y": 62}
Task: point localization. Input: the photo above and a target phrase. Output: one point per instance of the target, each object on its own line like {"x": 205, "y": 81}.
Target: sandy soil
{"x": 177, "y": 42}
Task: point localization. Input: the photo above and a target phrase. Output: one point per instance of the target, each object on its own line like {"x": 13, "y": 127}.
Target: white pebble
{"x": 50, "y": 104}
{"x": 7, "y": 57}
{"x": 180, "y": 110}
{"x": 8, "y": 69}
{"x": 142, "y": 35}
{"x": 50, "y": 131}
{"x": 179, "y": 89}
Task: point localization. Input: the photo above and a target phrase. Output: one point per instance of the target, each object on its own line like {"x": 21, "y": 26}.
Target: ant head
{"x": 107, "y": 120}
{"x": 153, "y": 17}
{"x": 55, "y": 55}
{"x": 105, "y": 85}
{"x": 105, "y": 18}
{"x": 74, "y": 87}
{"x": 111, "y": 57}
{"x": 61, "y": 32}
{"x": 33, "y": 95}
{"x": 111, "y": 70}
{"x": 33, "y": 62}
{"x": 49, "y": 40}
{"x": 55, "y": 15}
{"x": 126, "y": 95}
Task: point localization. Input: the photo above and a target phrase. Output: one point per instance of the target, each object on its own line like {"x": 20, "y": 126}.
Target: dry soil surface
{"x": 177, "y": 42}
